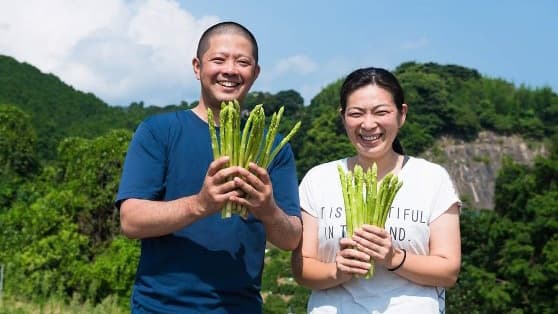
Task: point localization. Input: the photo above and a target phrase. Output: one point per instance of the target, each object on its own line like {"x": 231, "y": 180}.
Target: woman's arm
{"x": 310, "y": 272}
{"x": 442, "y": 266}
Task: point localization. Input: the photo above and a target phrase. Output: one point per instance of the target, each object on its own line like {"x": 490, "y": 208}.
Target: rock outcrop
{"x": 474, "y": 165}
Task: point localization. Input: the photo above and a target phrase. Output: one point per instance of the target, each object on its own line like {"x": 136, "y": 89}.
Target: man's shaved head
{"x": 226, "y": 28}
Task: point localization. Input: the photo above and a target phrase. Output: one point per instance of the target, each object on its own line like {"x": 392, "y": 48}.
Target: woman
{"x": 417, "y": 254}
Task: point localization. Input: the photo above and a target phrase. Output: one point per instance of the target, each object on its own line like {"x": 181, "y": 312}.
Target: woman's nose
{"x": 368, "y": 121}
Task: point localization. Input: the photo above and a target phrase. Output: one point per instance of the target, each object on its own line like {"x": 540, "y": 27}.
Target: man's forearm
{"x": 283, "y": 231}
{"x": 145, "y": 219}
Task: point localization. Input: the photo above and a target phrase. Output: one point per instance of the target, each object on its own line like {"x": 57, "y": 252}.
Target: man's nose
{"x": 230, "y": 67}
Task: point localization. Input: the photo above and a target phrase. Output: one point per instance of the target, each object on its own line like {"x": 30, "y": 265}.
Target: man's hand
{"x": 217, "y": 187}
{"x": 258, "y": 192}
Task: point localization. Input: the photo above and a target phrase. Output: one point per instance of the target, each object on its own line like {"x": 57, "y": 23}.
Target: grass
{"x": 280, "y": 292}
{"x": 12, "y": 305}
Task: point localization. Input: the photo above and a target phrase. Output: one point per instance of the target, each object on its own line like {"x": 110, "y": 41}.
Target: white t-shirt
{"x": 427, "y": 192}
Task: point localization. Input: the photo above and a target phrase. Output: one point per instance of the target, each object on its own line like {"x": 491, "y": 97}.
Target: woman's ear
{"x": 403, "y": 114}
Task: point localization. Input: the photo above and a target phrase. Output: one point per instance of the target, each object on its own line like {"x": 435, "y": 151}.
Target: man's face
{"x": 226, "y": 70}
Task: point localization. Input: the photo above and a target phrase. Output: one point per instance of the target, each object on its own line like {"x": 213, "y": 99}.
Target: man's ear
{"x": 196, "y": 64}
{"x": 257, "y": 71}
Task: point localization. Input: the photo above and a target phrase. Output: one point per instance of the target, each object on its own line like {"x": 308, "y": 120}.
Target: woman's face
{"x": 372, "y": 121}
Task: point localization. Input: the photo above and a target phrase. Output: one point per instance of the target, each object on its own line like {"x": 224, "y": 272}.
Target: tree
{"x": 17, "y": 143}
{"x": 292, "y": 101}
{"x": 18, "y": 160}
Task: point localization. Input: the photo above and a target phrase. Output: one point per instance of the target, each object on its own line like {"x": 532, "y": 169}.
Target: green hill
{"x": 57, "y": 110}
{"x": 59, "y": 235}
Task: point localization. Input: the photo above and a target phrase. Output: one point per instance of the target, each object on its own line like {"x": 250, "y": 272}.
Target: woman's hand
{"x": 375, "y": 242}
{"x": 350, "y": 261}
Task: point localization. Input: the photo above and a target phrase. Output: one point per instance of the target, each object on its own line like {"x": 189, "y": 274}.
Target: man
{"x": 171, "y": 194}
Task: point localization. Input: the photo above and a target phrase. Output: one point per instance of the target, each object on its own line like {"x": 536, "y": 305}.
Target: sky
{"x": 127, "y": 51}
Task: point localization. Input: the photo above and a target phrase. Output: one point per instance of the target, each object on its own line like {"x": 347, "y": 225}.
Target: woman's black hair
{"x": 374, "y": 76}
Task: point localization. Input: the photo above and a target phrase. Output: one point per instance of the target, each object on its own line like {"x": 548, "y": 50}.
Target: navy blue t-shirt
{"x": 214, "y": 265}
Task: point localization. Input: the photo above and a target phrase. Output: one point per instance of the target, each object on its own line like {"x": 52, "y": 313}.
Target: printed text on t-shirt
{"x": 333, "y": 228}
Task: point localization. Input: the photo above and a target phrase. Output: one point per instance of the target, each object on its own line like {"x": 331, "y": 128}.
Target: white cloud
{"x": 119, "y": 50}
{"x": 298, "y": 64}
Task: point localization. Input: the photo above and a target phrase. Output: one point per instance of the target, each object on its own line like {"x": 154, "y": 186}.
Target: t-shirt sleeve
{"x": 305, "y": 192}
{"x": 144, "y": 167}
{"x": 282, "y": 171}
{"x": 446, "y": 195}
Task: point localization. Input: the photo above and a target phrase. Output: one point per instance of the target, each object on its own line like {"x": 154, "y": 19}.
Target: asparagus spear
{"x": 245, "y": 144}
{"x": 366, "y": 201}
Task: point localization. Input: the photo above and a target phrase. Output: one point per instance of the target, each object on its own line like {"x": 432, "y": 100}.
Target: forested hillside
{"x": 57, "y": 110}
{"x": 61, "y": 153}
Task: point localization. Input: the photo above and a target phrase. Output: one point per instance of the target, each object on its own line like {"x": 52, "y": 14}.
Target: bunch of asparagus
{"x": 367, "y": 201}
{"x": 245, "y": 144}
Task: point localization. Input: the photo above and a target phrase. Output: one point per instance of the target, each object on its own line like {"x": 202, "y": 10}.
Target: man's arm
{"x": 145, "y": 218}
{"x": 282, "y": 230}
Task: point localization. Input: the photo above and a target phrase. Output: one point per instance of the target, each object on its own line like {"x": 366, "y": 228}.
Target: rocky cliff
{"x": 474, "y": 165}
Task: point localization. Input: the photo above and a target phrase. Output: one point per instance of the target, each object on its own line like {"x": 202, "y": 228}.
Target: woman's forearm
{"x": 314, "y": 274}
{"x": 430, "y": 270}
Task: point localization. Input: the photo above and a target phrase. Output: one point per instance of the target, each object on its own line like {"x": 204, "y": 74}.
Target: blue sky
{"x": 126, "y": 51}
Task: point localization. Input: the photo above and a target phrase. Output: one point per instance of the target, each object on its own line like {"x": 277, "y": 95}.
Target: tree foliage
{"x": 18, "y": 159}
{"x": 61, "y": 154}
{"x": 509, "y": 254}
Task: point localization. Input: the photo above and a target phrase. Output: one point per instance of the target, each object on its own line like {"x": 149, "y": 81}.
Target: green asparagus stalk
{"x": 214, "y": 143}
{"x": 283, "y": 142}
{"x": 245, "y": 144}
{"x": 367, "y": 201}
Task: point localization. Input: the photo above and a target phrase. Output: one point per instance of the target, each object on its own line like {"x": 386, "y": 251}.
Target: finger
{"x": 374, "y": 235}
{"x": 240, "y": 200}
{"x": 229, "y": 196}
{"x": 353, "y": 265}
{"x": 227, "y": 187}
{"x": 260, "y": 172}
{"x": 368, "y": 248}
{"x": 216, "y": 165}
{"x": 346, "y": 243}
{"x": 251, "y": 179}
{"x": 374, "y": 229}
{"x": 245, "y": 186}
{"x": 225, "y": 175}
{"x": 355, "y": 254}
{"x": 365, "y": 237}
